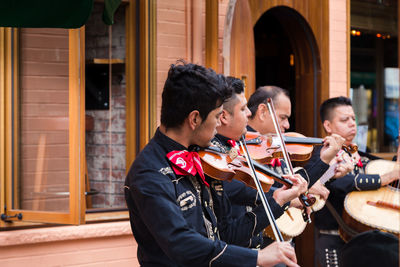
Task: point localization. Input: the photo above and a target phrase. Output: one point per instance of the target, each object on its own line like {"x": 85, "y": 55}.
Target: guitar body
{"x": 289, "y": 227}
{"x": 361, "y": 216}
{"x": 294, "y": 225}
{"x": 319, "y": 204}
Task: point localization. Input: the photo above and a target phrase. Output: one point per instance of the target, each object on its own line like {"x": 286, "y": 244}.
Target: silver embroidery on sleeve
{"x": 356, "y": 184}
{"x": 255, "y": 223}
{"x": 219, "y": 254}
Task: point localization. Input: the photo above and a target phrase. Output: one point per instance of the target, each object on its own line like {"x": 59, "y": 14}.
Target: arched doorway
{"x": 302, "y": 31}
{"x": 286, "y": 55}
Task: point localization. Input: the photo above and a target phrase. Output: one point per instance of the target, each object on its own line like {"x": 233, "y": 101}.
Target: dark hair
{"x": 191, "y": 87}
{"x": 236, "y": 86}
{"x": 260, "y": 97}
{"x": 330, "y": 104}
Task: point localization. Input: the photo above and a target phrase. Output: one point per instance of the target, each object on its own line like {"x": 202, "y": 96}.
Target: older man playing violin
{"x": 260, "y": 121}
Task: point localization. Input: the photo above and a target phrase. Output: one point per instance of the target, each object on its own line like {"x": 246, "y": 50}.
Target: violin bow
{"x": 275, "y": 229}
{"x": 271, "y": 109}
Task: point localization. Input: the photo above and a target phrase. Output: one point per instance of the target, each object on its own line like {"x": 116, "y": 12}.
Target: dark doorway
{"x": 274, "y": 58}
{"x": 287, "y": 56}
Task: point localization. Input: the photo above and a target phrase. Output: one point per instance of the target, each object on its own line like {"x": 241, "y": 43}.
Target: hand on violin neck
{"x": 345, "y": 165}
{"x": 285, "y": 194}
{"x": 332, "y": 145}
{"x": 319, "y": 189}
{"x": 296, "y": 203}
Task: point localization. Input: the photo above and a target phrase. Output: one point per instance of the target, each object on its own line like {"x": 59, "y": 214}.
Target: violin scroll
{"x": 352, "y": 148}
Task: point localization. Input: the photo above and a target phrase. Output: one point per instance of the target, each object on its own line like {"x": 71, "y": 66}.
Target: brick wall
{"x": 105, "y": 143}
{"x": 43, "y": 147}
{"x": 171, "y": 40}
{"x": 338, "y": 48}
{"x": 174, "y": 37}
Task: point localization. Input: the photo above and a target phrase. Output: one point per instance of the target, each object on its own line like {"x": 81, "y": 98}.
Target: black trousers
{"x": 327, "y": 247}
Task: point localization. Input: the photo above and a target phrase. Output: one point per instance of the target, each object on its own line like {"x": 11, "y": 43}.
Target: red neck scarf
{"x": 275, "y": 162}
{"x": 234, "y": 145}
{"x": 360, "y": 164}
{"x": 185, "y": 163}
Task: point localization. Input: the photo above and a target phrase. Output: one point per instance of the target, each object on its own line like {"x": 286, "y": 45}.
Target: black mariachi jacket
{"x": 339, "y": 188}
{"x": 244, "y": 198}
{"x": 178, "y": 221}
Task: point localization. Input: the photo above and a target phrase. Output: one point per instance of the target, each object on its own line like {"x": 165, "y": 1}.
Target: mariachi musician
{"x": 261, "y": 121}
{"x": 338, "y": 117}
{"x": 178, "y": 215}
{"x": 234, "y": 120}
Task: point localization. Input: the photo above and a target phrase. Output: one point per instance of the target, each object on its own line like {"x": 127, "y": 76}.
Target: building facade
{"x": 78, "y": 104}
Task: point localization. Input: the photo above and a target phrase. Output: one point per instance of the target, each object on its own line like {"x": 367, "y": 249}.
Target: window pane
{"x": 43, "y": 152}
{"x": 105, "y": 109}
{"x": 375, "y": 74}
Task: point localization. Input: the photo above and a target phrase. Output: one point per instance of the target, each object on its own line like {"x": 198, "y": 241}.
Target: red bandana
{"x": 360, "y": 164}
{"x": 275, "y": 162}
{"x": 233, "y": 144}
{"x": 185, "y": 163}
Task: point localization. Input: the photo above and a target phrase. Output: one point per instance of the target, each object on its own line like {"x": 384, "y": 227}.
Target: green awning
{"x": 52, "y": 13}
{"x": 110, "y": 6}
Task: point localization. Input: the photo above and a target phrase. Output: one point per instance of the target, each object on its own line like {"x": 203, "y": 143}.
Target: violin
{"x": 220, "y": 166}
{"x": 263, "y": 148}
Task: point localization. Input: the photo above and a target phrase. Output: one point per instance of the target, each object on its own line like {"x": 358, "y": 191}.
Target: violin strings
{"x": 277, "y": 233}
{"x": 272, "y": 112}
{"x": 278, "y": 132}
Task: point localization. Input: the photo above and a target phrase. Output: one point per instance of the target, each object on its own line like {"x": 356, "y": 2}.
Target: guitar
{"x": 375, "y": 209}
{"x": 320, "y": 203}
{"x": 291, "y": 223}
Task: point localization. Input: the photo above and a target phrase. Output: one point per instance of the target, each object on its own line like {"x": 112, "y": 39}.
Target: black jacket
{"x": 178, "y": 221}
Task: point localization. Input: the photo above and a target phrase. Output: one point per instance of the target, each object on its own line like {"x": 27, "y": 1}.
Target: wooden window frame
{"x": 140, "y": 73}
{"x": 10, "y": 125}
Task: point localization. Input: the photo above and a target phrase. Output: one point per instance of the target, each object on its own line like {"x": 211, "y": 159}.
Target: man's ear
{"x": 224, "y": 117}
{"x": 194, "y": 119}
{"x": 263, "y": 112}
{"x": 327, "y": 126}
